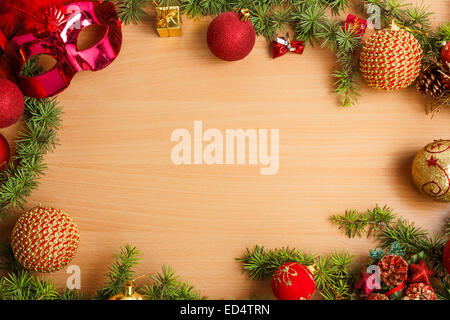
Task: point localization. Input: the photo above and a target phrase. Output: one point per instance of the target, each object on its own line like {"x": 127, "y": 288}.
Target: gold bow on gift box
{"x": 168, "y": 21}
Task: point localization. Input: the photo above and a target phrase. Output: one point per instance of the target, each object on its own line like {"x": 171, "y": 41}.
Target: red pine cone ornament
{"x": 377, "y": 296}
{"x": 445, "y": 55}
{"x": 293, "y": 281}
{"x": 391, "y": 59}
{"x": 44, "y": 239}
{"x": 4, "y": 153}
{"x": 446, "y": 257}
{"x": 393, "y": 270}
{"x": 419, "y": 291}
{"x": 231, "y": 36}
{"x": 11, "y": 103}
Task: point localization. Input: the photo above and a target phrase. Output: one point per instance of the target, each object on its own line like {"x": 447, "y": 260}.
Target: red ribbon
{"x": 3, "y": 41}
{"x": 394, "y": 290}
{"x": 283, "y": 45}
{"x": 356, "y": 25}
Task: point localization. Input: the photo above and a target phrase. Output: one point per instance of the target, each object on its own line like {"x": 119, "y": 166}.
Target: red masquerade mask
{"x": 60, "y": 42}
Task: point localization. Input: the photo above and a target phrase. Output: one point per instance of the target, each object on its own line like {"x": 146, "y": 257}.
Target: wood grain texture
{"x": 113, "y": 172}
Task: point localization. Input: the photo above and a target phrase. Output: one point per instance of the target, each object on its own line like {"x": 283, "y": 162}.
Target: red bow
{"x": 282, "y": 45}
{"x": 357, "y": 26}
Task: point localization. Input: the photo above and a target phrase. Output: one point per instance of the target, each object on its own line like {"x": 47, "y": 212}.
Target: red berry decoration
{"x": 231, "y": 35}
{"x": 445, "y": 55}
{"x": 44, "y": 239}
{"x": 420, "y": 291}
{"x": 4, "y": 153}
{"x": 391, "y": 60}
{"x": 293, "y": 281}
{"x": 446, "y": 257}
{"x": 420, "y": 273}
{"x": 11, "y": 103}
{"x": 393, "y": 270}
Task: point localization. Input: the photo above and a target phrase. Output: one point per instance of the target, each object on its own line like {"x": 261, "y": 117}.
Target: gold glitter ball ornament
{"x": 44, "y": 239}
{"x": 431, "y": 170}
{"x": 391, "y": 59}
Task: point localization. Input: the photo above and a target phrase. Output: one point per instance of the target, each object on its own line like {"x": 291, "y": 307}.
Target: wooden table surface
{"x": 113, "y": 172}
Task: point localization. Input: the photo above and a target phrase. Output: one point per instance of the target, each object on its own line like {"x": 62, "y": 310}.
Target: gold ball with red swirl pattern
{"x": 44, "y": 239}
{"x": 391, "y": 60}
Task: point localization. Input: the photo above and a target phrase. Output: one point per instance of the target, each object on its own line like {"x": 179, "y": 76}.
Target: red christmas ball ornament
{"x": 445, "y": 55}
{"x": 11, "y": 103}
{"x": 446, "y": 257}
{"x": 44, "y": 239}
{"x": 4, "y": 153}
{"x": 293, "y": 281}
{"x": 231, "y": 35}
{"x": 391, "y": 59}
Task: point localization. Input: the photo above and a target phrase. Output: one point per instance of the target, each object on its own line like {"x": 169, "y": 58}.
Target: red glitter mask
{"x": 59, "y": 41}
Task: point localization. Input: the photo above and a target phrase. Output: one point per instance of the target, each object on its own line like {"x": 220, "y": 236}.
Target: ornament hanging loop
{"x": 244, "y": 14}
{"x": 395, "y": 26}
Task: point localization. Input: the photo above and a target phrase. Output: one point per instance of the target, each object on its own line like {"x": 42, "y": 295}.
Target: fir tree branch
{"x": 167, "y": 286}
{"x": 261, "y": 263}
{"x": 332, "y": 273}
{"x": 131, "y": 11}
{"x": 43, "y": 119}
{"x": 120, "y": 272}
{"x": 368, "y": 222}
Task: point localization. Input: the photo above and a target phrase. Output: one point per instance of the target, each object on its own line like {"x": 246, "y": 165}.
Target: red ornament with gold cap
{"x": 293, "y": 281}
{"x": 231, "y": 35}
{"x": 391, "y": 59}
{"x": 44, "y": 239}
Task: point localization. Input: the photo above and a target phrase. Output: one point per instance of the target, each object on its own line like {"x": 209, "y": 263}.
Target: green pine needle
{"x": 121, "y": 271}
{"x": 167, "y": 286}
{"x": 131, "y": 11}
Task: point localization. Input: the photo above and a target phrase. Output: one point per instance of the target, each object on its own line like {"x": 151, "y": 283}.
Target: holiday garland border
{"x": 39, "y": 136}
{"x": 312, "y": 24}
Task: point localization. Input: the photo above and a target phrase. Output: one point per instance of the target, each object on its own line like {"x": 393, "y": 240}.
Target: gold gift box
{"x": 168, "y": 21}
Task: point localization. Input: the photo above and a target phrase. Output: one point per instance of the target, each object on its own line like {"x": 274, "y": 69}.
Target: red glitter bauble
{"x": 4, "y": 152}
{"x": 293, "y": 281}
{"x": 44, "y": 239}
{"x": 230, "y": 38}
{"x": 446, "y": 257}
{"x": 11, "y": 103}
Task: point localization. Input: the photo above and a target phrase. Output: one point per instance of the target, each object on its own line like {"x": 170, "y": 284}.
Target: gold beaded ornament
{"x": 391, "y": 59}
{"x": 44, "y": 239}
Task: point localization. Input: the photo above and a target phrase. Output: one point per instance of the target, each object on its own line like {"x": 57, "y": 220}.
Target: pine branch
{"x": 167, "y": 286}
{"x": 120, "y": 272}
{"x": 43, "y": 119}
{"x": 261, "y": 263}
{"x": 23, "y": 286}
{"x": 131, "y": 11}
{"x": 332, "y": 273}
{"x": 357, "y": 223}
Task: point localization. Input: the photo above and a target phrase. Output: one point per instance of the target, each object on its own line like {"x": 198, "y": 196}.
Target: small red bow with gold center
{"x": 282, "y": 45}
{"x": 356, "y": 25}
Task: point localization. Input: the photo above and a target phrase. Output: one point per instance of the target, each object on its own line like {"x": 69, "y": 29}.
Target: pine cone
{"x": 393, "y": 270}
{"x": 377, "y": 296}
{"x": 433, "y": 80}
{"x": 419, "y": 291}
